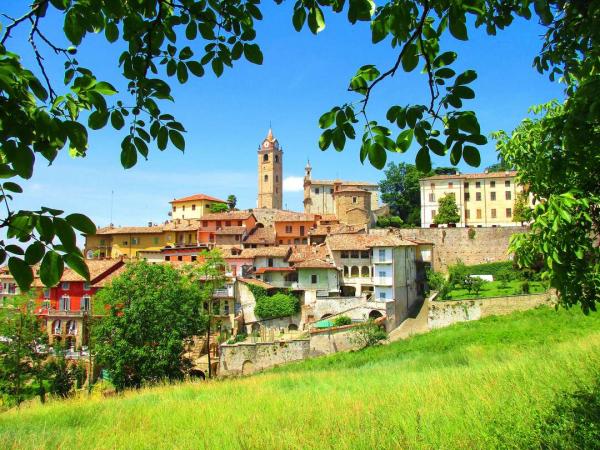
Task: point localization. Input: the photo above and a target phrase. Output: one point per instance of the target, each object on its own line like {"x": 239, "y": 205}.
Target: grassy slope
{"x": 491, "y": 383}
{"x": 494, "y": 289}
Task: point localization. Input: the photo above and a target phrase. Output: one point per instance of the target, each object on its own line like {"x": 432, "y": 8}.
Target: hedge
{"x": 281, "y": 304}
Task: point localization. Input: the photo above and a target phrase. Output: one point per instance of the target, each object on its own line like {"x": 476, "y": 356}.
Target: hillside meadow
{"x": 527, "y": 380}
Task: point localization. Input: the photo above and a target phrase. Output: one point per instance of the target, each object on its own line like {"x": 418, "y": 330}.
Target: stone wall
{"x": 332, "y": 340}
{"x": 451, "y": 244}
{"x": 444, "y": 313}
{"x": 245, "y": 358}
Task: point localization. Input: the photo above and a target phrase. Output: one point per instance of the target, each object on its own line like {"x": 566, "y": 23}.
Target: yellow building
{"x": 135, "y": 242}
{"x": 193, "y": 207}
{"x": 483, "y": 199}
{"x": 270, "y": 168}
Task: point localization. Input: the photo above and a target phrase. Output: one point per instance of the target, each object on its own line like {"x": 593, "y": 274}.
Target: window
{"x": 208, "y": 205}
{"x": 180, "y": 258}
{"x": 86, "y": 286}
{"x": 301, "y": 230}
{"x": 364, "y": 254}
{"x": 226, "y": 308}
{"x": 205, "y": 223}
{"x": 354, "y": 254}
{"x": 167, "y": 258}
{"x": 102, "y": 242}
{"x": 354, "y": 199}
{"x": 266, "y": 178}
{"x": 155, "y": 241}
{"x": 288, "y": 228}
{"x": 46, "y": 293}
{"x": 265, "y": 157}
{"x": 277, "y": 190}
{"x": 467, "y": 196}
{"x": 344, "y": 255}
{"x": 316, "y": 190}
{"x": 508, "y": 212}
{"x": 381, "y": 254}
{"x": 382, "y": 274}
{"x": 479, "y": 214}
{"x": 85, "y": 303}
{"x": 467, "y": 214}
{"x": 194, "y": 257}
{"x": 507, "y": 183}
{"x": 507, "y": 195}
{"x": 296, "y": 241}
{"x": 193, "y": 207}
{"x": 183, "y": 208}
{"x": 125, "y": 243}
{"x": 135, "y": 241}
{"x": 314, "y": 278}
{"x": 239, "y": 222}
{"x": 493, "y": 213}
{"x": 65, "y": 286}
{"x": 450, "y": 184}
{"x": 478, "y": 184}
{"x": 228, "y": 223}
{"x": 492, "y": 196}
{"x": 492, "y": 184}
{"x": 174, "y": 208}
{"x": 432, "y": 197}
{"x": 331, "y": 190}
{"x": 218, "y": 224}
{"x": 432, "y": 185}
{"x": 433, "y": 214}
{"x": 237, "y": 237}
{"x": 478, "y": 196}
{"x": 65, "y": 303}
{"x": 270, "y": 262}
{"x": 466, "y": 185}
{"x": 382, "y": 295}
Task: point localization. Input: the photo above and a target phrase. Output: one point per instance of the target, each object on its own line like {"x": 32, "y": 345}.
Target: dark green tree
{"x": 231, "y": 201}
{"x": 447, "y": 210}
{"x": 219, "y": 207}
{"x": 152, "y": 310}
{"x": 400, "y": 190}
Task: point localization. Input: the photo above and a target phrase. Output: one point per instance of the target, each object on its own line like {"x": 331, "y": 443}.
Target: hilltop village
{"x": 330, "y": 256}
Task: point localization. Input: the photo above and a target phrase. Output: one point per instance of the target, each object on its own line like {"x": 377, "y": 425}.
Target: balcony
{"x": 61, "y": 313}
{"x": 224, "y": 292}
{"x": 383, "y": 281}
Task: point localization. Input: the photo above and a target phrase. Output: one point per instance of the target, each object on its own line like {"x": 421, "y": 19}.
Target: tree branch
{"x": 39, "y": 58}
{"x": 16, "y": 22}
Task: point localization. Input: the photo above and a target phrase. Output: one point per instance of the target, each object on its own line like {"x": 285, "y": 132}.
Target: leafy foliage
{"x": 400, "y": 190}
{"x": 521, "y": 209}
{"x": 368, "y": 334}
{"x": 447, "y": 210}
{"x": 389, "y": 221}
{"x": 340, "y": 321}
{"x": 151, "y": 310}
{"x": 219, "y": 207}
{"x": 280, "y": 304}
{"x": 231, "y": 201}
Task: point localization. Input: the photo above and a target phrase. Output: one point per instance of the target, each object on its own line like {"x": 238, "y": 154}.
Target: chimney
{"x": 150, "y": 223}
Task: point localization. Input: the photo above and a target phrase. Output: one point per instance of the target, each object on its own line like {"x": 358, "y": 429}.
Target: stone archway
{"x": 197, "y": 374}
{"x": 375, "y": 314}
{"x": 292, "y": 327}
{"x": 247, "y": 367}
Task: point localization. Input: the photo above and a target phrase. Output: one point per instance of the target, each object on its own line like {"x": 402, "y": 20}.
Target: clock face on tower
{"x": 266, "y": 144}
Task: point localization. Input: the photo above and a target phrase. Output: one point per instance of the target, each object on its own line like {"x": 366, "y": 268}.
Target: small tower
{"x": 270, "y": 169}
{"x": 307, "y": 199}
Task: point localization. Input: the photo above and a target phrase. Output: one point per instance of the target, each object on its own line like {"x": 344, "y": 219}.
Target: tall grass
{"x": 487, "y": 384}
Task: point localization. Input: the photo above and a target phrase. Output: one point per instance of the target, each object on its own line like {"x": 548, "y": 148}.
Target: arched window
{"x": 266, "y": 178}
{"x": 364, "y": 271}
{"x": 72, "y": 327}
{"x": 354, "y": 272}
{"x": 56, "y": 327}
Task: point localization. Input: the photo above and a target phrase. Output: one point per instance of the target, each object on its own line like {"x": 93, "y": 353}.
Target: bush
{"x": 525, "y": 287}
{"x": 473, "y": 284}
{"x": 494, "y": 268}
{"x": 368, "y": 334}
{"x": 457, "y": 273}
{"x": 279, "y": 305}
{"x": 389, "y": 221}
{"x": 444, "y": 291}
{"x": 341, "y": 321}
{"x": 504, "y": 276}
{"x": 237, "y": 338}
{"x": 435, "y": 280}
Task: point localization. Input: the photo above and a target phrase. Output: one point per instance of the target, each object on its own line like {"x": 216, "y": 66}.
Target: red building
{"x": 225, "y": 227}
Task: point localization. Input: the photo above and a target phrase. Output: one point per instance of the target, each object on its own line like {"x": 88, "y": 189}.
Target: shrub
{"x": 493, "y": 269}
{"x": 525, "y": 287}
{"x": 389, "y": 221}
{"x": 368, "y": 334}
{"x": 473, "y": 284}
{"x": 472, "y": 233}
{"x": 444, "y": 291}
{"x": 504, "y": 276}
{"x": 341, "y": 321}
{"x": 435, "y": 280}
{"x": 457, "y": 273}
{"x": 278, "y": 305}
{"x": 237, "y": 338}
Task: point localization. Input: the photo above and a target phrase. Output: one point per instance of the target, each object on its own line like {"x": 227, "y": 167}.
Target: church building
{"x": 270, "y": 169}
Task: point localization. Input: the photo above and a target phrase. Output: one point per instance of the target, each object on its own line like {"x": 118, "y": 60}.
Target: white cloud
{"x": 293, "y": 184}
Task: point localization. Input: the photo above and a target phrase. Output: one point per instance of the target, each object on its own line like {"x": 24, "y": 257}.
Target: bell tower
{"x": 270, "y": 169}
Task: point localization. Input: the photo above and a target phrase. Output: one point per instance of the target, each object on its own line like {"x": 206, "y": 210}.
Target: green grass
{"x": 520, "y": 381}
{"x": 495, "y": 289}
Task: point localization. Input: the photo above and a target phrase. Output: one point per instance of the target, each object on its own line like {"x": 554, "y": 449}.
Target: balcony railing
{"x": 224, "y": 292}
{"x": 62, "y": 313}
{"x": 385, "y": 281}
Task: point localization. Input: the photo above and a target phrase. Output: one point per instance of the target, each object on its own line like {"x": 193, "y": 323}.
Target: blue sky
{"x": 227, "y": 118}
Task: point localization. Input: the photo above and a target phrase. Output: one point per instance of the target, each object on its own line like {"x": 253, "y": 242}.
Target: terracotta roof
{"x": 328, "y": 218}
{"x": 231, "y": 230}
{"x": 261, "y": 235}
{"x": 262, "y": 270}
{"x": 344, "y": 182}
{"x": 349, "y": 189}
{"x": 256, "y": 282}
{"x": 315, "y": 263}
{"x": 336, "y": 228}
{"x": 182, "y": 225}
{"x": 304, "y": 252}
{"x": 97, "y": 268}
{"x": 228, "y": 252}
{"x": 280, "y": 251}
{"x": 197, "y": 197}
{"x": 469, "y": 176}
{"x": 130, "y": 230}
{"x": 291, "y": 216}
{"x": 228, "y": 215}
{"x": 107, "y": 279}
{"x": 338, "y": 242}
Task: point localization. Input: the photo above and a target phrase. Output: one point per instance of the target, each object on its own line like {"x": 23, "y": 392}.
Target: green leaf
{"x": 191, "y": 30}
{"x": 471, "y": 156}
{"x": 12, "y": 187}
{"x": 404, "y": 140}
{"x": 21, "y": 272}
{"x": 111, "y": 32}
{"x": 162, "y": 138}
{"x": 456, "y": 153}
{"x": 34, "y": 253}
{"x": 542, "y": 9}
{"x": 128, "y": 154}
{"x": 15, "y": 249}
{"x": 82, "y": 223}
{"x": 23, "y": 162}
{"x": 78, "y": 264}
{"x": 65, "y": 233}
{"x": 445, "y": 59}
{"x": 316, "y": 21}
{"x": 327, "y": 119}
{"x": 445, "y": 72}
{"x": 339, "y": 139}
{"x": 116, "y": 119}
{"x": 410, "y": 59}
{"x": 464, "y": 92}
{"x": 45, "y": 228}
{"x": 98, "y": 119}
{"x": 186, "y": 53}
{"x": 51, "y": 269}
{"x": 468, "y": 122}
{"x": 196, "y": 68}
{"x": 377, "y": 155}
{"x": 217, "y": 66}
{"x": 182, "y": 74}
{"x": 105, "y": 88}
{"x": 298, "y": 18}
{"x": 466, "y": 77}
{"x": 253, "y": 53}
{"x": 423, "y": 160}
{"x": 177, "y": 139}
{"x": 436, "y": 147}
{"x": 325, "y": 140}
{"x": 457, "y": 25}
{"x": 39, "y": 90}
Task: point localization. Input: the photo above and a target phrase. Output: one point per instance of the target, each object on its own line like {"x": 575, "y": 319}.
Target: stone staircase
{"x": 416, "y": 323}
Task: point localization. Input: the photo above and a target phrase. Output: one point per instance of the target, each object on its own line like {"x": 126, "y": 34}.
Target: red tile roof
{"x": 469, "y": 176}
{"x": 261, "y": 235}
{"x": 262, "y": 270}
{"x": 197, "y": 197}
{"x": 229, "y": 215}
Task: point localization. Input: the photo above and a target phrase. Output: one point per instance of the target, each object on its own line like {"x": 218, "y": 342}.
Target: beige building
{"x": 323, "y": 196}
{"x": 270, "y": 168}
{"x": 483, "y": 199}
{"x": 193, "y": 207}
